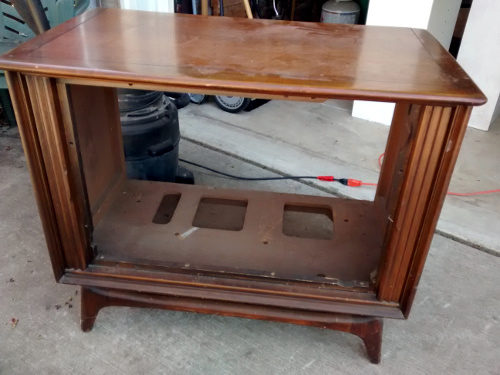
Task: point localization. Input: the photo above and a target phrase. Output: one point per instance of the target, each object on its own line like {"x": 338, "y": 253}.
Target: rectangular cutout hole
{"x": 166, "y": 209}
{"x": 218, "y": 213}
{"x": 308, "y": 222}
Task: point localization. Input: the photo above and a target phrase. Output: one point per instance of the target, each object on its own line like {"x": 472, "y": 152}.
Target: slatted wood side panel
{"x": 451, "y": 147}
{"x": 66, "y": 199}
{"x": 34, "y": 157}
{"x": 434, "y": 149}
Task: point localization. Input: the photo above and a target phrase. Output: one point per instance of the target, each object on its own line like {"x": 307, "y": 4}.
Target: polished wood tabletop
{"x": 288, "y": 59}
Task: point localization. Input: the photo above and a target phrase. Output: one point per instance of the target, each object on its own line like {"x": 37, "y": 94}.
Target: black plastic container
{"x": 150, "y": 128}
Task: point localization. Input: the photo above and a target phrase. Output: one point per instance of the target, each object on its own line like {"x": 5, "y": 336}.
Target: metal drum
{"x": 340, "y": 11}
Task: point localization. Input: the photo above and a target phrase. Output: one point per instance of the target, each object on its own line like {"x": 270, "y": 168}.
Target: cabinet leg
{"x": 370, "y": 331}
{"x": 91, "y": 303}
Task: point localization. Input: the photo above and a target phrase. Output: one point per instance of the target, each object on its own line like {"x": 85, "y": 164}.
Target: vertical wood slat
{"x": 74, "y": 157}
{"x": 32, "y": 149}
{"x": 393, "y": 168}
{"x": 419, "y": 202}
{"x": 396, "y": 154}
{"x": 65, "y": 197}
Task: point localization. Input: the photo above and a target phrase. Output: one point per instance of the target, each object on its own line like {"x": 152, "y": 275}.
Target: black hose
{"x": 247, "y": 178}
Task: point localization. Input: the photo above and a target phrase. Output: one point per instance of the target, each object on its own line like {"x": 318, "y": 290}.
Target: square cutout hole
{"x": 218, "y": 213}
{"x": 308, "y": 222}
{"x": 166, "y": 209}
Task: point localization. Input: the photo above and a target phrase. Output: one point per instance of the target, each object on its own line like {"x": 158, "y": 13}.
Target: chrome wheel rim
{"x": 231, "y": 102}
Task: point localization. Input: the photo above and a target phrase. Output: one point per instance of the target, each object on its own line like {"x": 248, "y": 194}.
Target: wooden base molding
{"x": 369, "y": 329}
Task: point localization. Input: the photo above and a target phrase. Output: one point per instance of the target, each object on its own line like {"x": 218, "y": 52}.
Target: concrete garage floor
{"x": 453, "y": 328}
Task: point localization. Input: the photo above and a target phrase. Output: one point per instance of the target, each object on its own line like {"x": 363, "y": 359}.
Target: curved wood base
{"x": 369, "y": 329}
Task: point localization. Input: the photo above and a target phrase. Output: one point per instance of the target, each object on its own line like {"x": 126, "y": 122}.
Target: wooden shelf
{"x": 258, "y": 247}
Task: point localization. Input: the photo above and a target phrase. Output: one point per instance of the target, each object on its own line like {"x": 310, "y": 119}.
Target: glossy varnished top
{"x": 236, "y": 55}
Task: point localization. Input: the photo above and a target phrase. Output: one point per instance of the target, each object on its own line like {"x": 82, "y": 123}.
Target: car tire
{"x": 232, "y": 104}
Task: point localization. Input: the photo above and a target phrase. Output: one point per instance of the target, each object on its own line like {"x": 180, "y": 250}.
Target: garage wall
{"x": 442, "y": 20}
{"x": 438, "y": 16}
{"x": 151, "y": 5}
{"x": 480, "y": 57}
{"x": 404, "y": 13}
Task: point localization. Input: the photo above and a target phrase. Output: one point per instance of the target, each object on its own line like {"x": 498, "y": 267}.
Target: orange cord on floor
{"x": 449, "y": 193}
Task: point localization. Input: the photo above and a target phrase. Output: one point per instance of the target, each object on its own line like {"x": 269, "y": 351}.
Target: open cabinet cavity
{"x": 324, "y": 240}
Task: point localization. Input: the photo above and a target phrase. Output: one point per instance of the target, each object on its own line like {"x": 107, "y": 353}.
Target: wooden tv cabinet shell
{"x": 99, "y": 225}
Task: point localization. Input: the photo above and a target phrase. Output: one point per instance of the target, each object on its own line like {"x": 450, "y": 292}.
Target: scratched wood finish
{"x": 229, "y": 287}
{"x": 63, "y": 113}
{"x": 249, "y": 57}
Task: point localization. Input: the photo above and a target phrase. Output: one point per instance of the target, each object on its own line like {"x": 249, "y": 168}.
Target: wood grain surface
{"x": 249, "y": 57}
